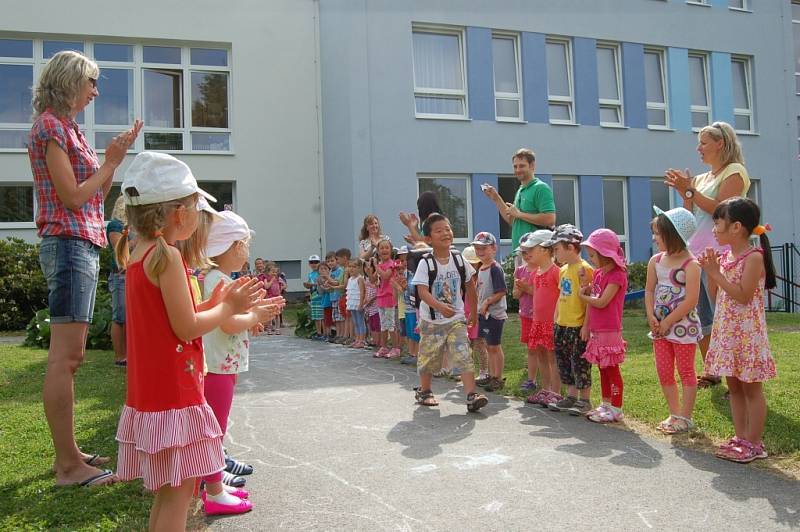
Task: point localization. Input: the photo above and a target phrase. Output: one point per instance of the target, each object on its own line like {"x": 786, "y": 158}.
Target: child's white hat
{"x": 533, "y": 239}
{"x": 682, "y": 220}
{"x": 157, "y": 178}
{"x": 224, "y": 231}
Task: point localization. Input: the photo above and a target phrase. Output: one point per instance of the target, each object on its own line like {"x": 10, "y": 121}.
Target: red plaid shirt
{"x": 52, "y": 217}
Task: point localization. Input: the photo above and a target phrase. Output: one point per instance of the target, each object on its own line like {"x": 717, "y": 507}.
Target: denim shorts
{"x": 116, "y": 285}
{"x": 71, "y": 267}
{"x": 491, "y": 330}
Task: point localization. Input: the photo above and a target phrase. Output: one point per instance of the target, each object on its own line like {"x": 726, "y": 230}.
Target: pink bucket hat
{"x": 606, "y": 243}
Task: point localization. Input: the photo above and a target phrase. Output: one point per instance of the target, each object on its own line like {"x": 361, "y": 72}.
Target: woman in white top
{"x": 719, "y": 148}
{"x": 369, "y": 237}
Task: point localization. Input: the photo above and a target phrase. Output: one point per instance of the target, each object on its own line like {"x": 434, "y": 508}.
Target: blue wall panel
{"x": 534, "y": 77}
{"x": 721, "y": 87}
{"x": 480, "y": 73}
{"x": 633, "y": 85}
{"x": 680, "y": 116}
{"x": 720, "y": 3}
{"x": 587, "y": 108}
{"x": 640, "y": 213}
{"x": 590, "y": 200}
{"x": 484, "y": 213}
{"x": 547, "y": 178}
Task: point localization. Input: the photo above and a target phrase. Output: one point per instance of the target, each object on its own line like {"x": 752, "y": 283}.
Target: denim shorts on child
{"x": 411, "y": 326}
{"x": 71, "y": 267}
{"x": 438, "y": 339}
{"x": 490, "y": 329}
{"x": 116, "y": 285}
{"x": 359, "y": 322}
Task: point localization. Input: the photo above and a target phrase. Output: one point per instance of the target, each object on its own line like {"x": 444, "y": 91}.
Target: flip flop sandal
{"x": 425, "y": 397}
{"x": 236, "y": 467}
{"x": 96, "y": 460}
{"x": 665, "y": 425}
{"x": 96, "y": 480}
{"x": 707, "y": 381}
{"x": 233, "y": 480}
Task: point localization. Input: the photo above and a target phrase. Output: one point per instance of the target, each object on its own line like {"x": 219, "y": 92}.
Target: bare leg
{"x": 756, "y": 405}
{"x": 65, "y": 355}
{"x": 688, "y": 399}
{"x": 468, "y": 379}
{"x": 171, "y": 506}
{"x": 118, "y": 341}
{"x": 738, "y": 407}
{"x": 673, "y": 401}
{"x": 533, "y": 364}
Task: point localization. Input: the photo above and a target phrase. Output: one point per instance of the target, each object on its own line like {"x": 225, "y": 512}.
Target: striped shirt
{"x": 52, "y": 217}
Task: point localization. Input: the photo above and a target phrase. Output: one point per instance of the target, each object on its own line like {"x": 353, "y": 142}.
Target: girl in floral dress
{"x": 739, "y": 348}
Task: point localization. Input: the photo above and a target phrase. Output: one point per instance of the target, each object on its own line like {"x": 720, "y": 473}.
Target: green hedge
{"x": 23, "y": 290}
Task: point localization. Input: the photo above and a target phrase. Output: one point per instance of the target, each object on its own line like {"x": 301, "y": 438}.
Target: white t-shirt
{"x": 446, "y": 288}
{"x": 225, "y": 353}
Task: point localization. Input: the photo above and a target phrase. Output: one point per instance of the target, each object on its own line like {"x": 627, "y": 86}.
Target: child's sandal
{"x": 425, "y": 397}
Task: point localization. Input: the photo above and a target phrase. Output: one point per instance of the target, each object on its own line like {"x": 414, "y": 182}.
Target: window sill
{"x": 511, "y": 120}
{"x": 659, "y": 128}
{"x": 699, "y": 4}
{"x": 613, "y": 126}
{"x": 13, "y": 150}
{"x": 740, "y": 10}
{"x": 748, "y": 133}
{"x": 556, "y": 123}
{"x": 17, "y": 225}
{"x": 444, "y": 117}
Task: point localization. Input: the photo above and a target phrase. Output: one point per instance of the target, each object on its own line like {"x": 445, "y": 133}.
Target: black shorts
{"x": 491, "y": 329}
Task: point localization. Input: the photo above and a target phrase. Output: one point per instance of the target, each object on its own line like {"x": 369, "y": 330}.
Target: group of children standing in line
{"x": 187, "y": 344}
{"x": 571, "y": 315}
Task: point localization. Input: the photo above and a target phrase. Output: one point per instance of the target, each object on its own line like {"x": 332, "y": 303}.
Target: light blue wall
{"x": 721, "y": 87}
{"x": 480, "y": 74}
{"x": 680, "y": 116}
{"x": 534, "y": 77}
{"x": 633, "y": 85}
{"x": 587, "y": 107}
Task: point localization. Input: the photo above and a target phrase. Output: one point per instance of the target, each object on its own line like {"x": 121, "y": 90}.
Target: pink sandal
{"x": 215, "y": 508}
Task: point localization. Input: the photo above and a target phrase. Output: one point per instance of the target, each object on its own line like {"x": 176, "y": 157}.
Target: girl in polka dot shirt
{"x": 671, "y": 294}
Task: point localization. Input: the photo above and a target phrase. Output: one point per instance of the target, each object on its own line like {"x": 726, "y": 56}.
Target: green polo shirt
{"x": 535, "y": 197}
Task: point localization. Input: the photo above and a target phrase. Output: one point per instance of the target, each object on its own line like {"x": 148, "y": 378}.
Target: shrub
{"x": 38, "y": 329}
{"x": 305, "y": 325}
{"x": 637, "y": 275}
{"x": 508, "y": 270}
{"x": 23, "y": 289}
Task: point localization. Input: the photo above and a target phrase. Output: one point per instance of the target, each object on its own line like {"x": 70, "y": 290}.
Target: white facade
{"x": 265, "y": 138}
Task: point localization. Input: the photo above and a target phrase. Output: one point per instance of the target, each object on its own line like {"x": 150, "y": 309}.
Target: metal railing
{"x": 785, "y": 297}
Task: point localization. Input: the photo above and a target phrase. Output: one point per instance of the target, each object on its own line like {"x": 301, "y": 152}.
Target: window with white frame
{"x": 16, "y": 203}
{"x": 656, "y": 88}
{"x": 615, "y": 208}
{"x": 660, "y": 194}
{"x": 452, "y": 192}
{"x": 559, "y": 81}
{"x": 222, "y": 192}
{"x": 796, "y": 37}
{"x": 507, "y": 74}
{"x": 565, "y": 195}
{"x": 609, "y": 84}
{"x": 507, "y": 186}
{"x": 439, "y": 79}
{"x": 699, "y": 2}
{"x": 698, "y": 84}
{"x": 740, "y": 5}
{"x": 742, "y": 94}
{"x": 154, "y": 82}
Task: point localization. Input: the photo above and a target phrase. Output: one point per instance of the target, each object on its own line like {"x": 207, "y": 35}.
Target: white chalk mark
{"x": 491, "y": 458}
{"x": 493, "y": 507}
{"x": 425, "y": 468}
{"x": 644, "y": 519}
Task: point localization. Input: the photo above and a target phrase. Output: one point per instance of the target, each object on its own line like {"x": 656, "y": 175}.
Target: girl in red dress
{"x": 168, "y": 436}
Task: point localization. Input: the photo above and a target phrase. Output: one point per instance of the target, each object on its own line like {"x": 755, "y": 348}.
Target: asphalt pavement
{"x": 338, "y": 443}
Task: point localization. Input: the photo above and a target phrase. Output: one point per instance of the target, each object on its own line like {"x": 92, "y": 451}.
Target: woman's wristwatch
{"x": 688, "y": 193}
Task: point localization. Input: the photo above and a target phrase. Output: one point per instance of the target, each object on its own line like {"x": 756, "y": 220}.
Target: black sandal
{"x": 425, "y": 397}
{"x": 707, "y": 381}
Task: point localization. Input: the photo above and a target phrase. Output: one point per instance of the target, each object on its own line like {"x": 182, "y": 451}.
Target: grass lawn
{"x": 30, "y": 501}
{"x": 645, "y": 405}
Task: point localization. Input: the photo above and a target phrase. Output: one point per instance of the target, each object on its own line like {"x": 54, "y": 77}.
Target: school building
{"x": 305, "y": 115}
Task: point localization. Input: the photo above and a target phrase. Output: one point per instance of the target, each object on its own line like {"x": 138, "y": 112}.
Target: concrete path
{"x": 338, "y": 444}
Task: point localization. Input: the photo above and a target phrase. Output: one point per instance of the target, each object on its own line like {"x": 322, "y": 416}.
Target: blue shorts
{"x": 411, "y": 324}
{"x": 71, "y": 267}
{"x": 116, "y": 285}
{"x": 491, "y": 329}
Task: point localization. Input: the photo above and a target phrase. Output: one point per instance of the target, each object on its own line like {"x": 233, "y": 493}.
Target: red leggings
{"x": 611, "y": 385}
{"x": 218, "y": 389}
{"x": 668, "y": 355}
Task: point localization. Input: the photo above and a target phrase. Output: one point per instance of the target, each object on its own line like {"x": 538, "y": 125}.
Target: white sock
{"x": 223, "y": 497}
{"x": 228, "y": 489}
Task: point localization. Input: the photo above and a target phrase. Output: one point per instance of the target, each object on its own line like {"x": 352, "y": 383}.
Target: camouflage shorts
{"x": 436, "y": 341}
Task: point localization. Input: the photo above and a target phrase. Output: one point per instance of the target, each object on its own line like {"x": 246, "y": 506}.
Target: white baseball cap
{"x": 227, "y": 229}
{"x": 159, "y": 177}
{"x": 313, "y": 258}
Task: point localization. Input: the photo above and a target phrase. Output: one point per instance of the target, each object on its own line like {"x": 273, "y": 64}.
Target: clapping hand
{"x": 119, "y": 145}
{"x": 680, "y": 181}
{"x": 709, "y": 261}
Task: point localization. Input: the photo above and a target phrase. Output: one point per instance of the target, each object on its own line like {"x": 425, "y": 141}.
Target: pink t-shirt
{"x": 274, "y": 289}
{"x": 546, "y": 291}
{"x": 610, "y": 317}
{"x": 386, "y": 298}
{"x": 525, "y": 299}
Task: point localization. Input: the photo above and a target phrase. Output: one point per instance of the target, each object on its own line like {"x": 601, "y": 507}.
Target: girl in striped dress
{"x": 168, "y": 436}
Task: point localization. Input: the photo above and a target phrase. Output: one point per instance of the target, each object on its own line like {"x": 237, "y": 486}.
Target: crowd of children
{"x": 454, "y": 308}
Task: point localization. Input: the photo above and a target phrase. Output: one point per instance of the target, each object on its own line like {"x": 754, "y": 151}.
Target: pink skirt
{"x": 541, "y": 334}
{"x": 169, "y": 446}
{"x": 606, "y": 349}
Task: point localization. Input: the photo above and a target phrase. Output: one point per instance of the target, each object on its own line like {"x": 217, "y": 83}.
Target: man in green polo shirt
{"x": 533, "y": 206}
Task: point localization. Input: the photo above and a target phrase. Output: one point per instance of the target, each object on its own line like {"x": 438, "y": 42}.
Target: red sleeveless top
{"x": 164, "y": 372}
